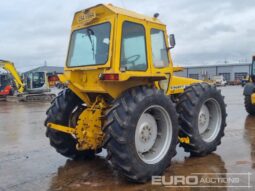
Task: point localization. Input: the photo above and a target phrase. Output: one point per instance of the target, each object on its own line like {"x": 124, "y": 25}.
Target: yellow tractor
{"x": 122, "y": 96}
{"x": 249, "y": 91}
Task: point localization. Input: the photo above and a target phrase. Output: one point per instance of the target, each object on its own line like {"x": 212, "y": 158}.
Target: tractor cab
{"x": 112, "y": 50}
{"x": 253, "y": 69}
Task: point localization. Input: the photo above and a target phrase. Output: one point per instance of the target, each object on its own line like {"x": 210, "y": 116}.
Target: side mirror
{"x": 171, "y": 41}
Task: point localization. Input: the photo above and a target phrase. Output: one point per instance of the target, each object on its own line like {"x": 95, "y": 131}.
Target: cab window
{"x": 133, "y": 47}
{"x": 89, "y": 46}
{"x": 159, "y": 49}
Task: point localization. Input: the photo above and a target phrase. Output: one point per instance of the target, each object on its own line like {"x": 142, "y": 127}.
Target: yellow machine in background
{"x": 249, "y": 91}
{"x": 122, "y": 95}
{"x": 9, "y": 66}
{"x": 35, "y": 88}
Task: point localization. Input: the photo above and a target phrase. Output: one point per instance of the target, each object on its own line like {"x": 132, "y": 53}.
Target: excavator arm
{"x": 9, "y": 66}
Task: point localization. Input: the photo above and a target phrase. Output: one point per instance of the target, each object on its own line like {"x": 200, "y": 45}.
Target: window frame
{"x": 69, "y": 46}
{"x": 145, "y": 43}
{"x": 167, "y": 53}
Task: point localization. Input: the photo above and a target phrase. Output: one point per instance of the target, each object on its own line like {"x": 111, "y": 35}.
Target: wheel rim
{"x": 153, "y": 135}
{"x": 209, "y": 120}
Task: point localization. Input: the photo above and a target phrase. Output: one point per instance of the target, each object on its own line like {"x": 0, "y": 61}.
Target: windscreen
{"x": 89, "y": 46}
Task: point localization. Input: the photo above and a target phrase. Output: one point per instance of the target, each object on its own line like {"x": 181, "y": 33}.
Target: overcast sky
{"x": 207, "y": 32}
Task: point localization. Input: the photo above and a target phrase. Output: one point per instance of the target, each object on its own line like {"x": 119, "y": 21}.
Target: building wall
{"x": 239, "y": 69}
{"x": 230, "y": 72}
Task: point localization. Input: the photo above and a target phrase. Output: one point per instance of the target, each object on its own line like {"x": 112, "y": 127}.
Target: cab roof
{"x": 121, "y": 11}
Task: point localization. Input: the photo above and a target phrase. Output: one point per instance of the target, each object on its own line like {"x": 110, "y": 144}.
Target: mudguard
{"x": 249, "y": 89}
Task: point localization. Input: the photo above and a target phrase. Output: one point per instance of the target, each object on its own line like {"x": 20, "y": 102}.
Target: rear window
{"x": 89, "y": 46}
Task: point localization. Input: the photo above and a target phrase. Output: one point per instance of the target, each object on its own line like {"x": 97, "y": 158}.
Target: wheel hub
{"x": 146, "y": 133}
{"x": 88, "y": 130}
{"x": 209, "y": 120}
{"x": 203, "y": 119}
{"x": 153, "y": 134}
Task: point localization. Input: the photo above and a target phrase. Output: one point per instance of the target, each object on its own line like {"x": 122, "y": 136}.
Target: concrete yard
{"x": 29, "y": 163}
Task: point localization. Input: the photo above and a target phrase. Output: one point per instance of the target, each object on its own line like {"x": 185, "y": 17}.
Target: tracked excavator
{"x": 35, "y": 86}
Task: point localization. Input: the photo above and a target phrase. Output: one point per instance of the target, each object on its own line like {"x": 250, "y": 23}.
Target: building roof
{"x": 48, "y": 69}
{"x": 218, "y": 65}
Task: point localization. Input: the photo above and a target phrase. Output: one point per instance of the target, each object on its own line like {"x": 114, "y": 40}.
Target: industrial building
{"x": 230, "y": 72}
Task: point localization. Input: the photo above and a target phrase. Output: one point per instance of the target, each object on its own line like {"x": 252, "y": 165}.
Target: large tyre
{"x": 65, "y": 110}
{"x": 141, "y": 133}
{"x": 250, "y": 108}
{"x": 202, "y": 118}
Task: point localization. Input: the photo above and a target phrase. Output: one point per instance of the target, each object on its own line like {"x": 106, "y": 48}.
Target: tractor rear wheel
{"x": 202, "y": 118}
{"x": 65, "y": 110}
{"x": 250, "y": 108}
{"x": 141, "y": 133}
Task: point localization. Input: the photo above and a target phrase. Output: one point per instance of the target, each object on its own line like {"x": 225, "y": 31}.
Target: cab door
{"x": 133, "y": 50}
{"x": 160, "y": 58}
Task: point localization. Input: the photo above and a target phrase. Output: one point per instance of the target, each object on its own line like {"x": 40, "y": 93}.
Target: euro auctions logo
{"x": 237, "y": 180}
{"x": 175, "y": 180}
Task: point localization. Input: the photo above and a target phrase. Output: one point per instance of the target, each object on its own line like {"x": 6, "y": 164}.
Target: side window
{"x": 133, "y": 47}
{"x": 159, "y": 50}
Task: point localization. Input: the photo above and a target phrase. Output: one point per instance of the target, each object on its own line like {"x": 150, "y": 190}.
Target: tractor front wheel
{"x": 65, "y": 110}
{"x": 141, "y": 133}
{"x": 202, "y": 118}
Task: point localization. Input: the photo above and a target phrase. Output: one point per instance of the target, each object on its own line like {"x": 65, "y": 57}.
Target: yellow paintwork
{"x": 185, "y": 140}
{"x": 253, "y": 98}
{"x": 84, "y": 97}
{"x": 86, "y": 79}
{"x": 177, "y": 84}
{"x": 178, "y": 69}
{"x": 61, "y": 128}
{"x": 9, "y": 66}
{"x": 88, "y": 130}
